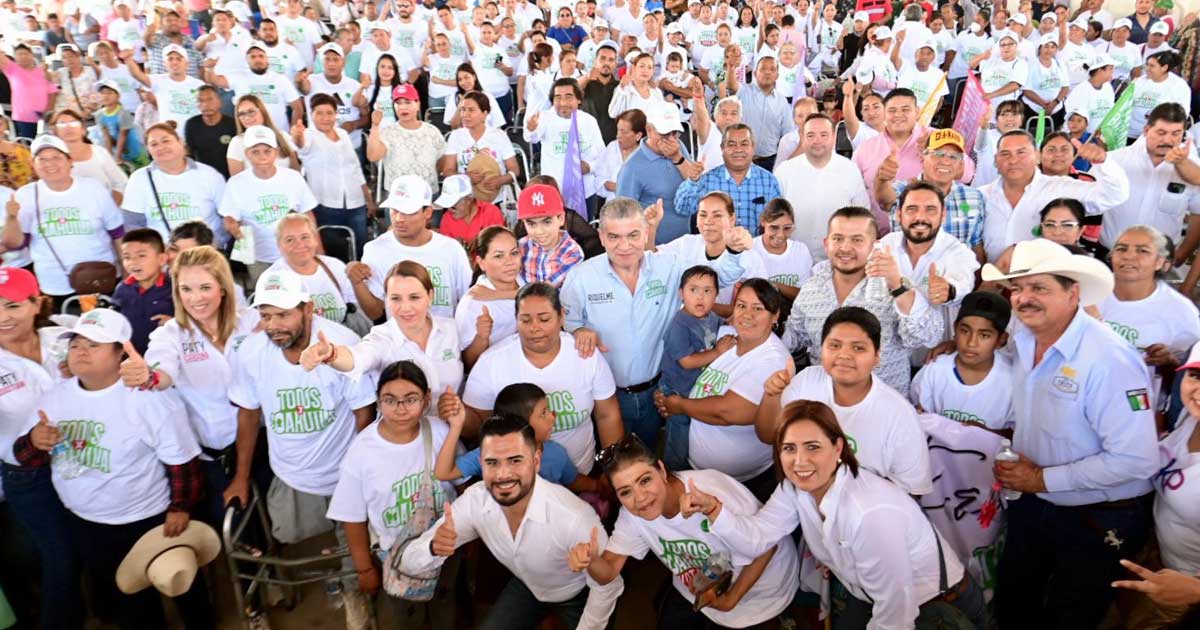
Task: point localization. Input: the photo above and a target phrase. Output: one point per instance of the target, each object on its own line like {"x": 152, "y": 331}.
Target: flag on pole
{"x": 1115, "y": 126}
{"x": 971, "y": 110}
{"x": 1041, "y": 127}
{"x": 573, "y": 193}
{"x": 930, "y": 107}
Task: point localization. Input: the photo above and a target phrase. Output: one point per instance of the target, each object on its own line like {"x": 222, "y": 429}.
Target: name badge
{"x": 600, "y": 298}
{"x": 1066, "y": 385}
{"x": 655, "y": 288}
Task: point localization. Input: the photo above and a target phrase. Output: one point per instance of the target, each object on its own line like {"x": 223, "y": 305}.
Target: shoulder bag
{"x": 414, "y": 588}
{"x": 96, "y": 276}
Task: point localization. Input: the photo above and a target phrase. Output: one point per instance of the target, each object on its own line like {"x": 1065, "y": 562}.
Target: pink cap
{"x": 539, "y": 200}
{"x": 405, "y": 91}
{"x": 17, "y": 285}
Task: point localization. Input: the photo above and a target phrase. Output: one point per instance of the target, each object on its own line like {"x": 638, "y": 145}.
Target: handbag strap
{"x": 158, "y": 202}
{"x": 427, "y": 442}
{"x": 943, "y": 581}
{"x": 37, "y": 216}
{"x": 331, "y": 277}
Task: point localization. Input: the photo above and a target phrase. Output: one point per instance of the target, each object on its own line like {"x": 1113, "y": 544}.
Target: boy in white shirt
{"x": 972, "y": 384}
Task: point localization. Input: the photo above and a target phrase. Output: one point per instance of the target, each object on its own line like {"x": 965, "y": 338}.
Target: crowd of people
{"x": 878, "y": 313}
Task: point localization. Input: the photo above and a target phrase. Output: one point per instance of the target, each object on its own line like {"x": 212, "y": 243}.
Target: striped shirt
{"x": 539, "y": 264}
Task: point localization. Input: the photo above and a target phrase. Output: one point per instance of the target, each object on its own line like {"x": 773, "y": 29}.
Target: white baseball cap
{"x": 62, "y": 48}
{"x": 862, "y": 16}
{"x": 47, "y": 141}
{"x": 665, "y": 118}
{"x": 281, "y": 288}
{"x": 1019, "y": 18}
{"x": 121, "y": 3}
{"x": 1101, "y": 60}
{"x": 380, "y": 26}
{"x": 239, "y": 10}
{"x": 925, "y": 42}
{"x": 599, "y": 23}
{"x": 1050, "y": 16}
{"x": 174, "y": 48}
{"x": 454, "y": 188}
{"x": 1123, "y": 23}
{"x": 408, "y": 194}
{"x": 259, "y": 134}
{"x": 330, "y": 47}
{"x": 883, "y": 32}
{"x": 107, "y": 83}
{"x": 674, "y": 27}
{"x": 1080, "y": 23}
{"x": 1048, "y": 38}
{"x": 102, "y": 325}
{"x": 1160, "y": 28}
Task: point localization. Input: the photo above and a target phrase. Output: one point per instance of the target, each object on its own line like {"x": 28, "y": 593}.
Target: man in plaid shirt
{"x": 548, "y": 252}
{"x": 156, "y": 40}
{"x": 750, "y": 185}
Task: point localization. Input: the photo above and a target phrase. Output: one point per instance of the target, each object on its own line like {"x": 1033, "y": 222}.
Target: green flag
{"x": 1041, "y": 127}
{"x": 1115, "y": 126}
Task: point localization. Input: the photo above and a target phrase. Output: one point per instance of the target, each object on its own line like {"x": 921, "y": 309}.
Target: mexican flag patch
{"x": 1138, "y": 399}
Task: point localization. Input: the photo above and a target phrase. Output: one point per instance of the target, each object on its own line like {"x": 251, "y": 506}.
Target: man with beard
{"x": 906, "y": 319}
{"x": 1085, "y": 432}
{"x": 310, "y": 417}
{"x": 333, "y": 82}
{"x": 598, "y": 88}
{"x": 157, "y": 41}
{"x": 281, "y": 56}
{"x": 937, "y": 263}
{"x": 409, "y": 33}
{"x": 530, "y": 525}
{"x": 273, "y": 88}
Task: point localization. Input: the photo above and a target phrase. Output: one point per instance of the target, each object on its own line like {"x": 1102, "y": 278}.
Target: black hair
{"x": 775, "y": 208}
{"x": 1168, "y": 113}
{"x": 147, "y": 236}
{"x": 518, "y": 399}
{"x": 500, "y": 426}
{"x": 858, "y": 316}
{"x": 699, "y": 270}
{"x": 194, "y": 230}
{"x": 628, "y": 450}
{"x": 539, "y": 289}
{"x": 899, "y": 93}
{"x": 402, "y": 371}
{"x": 922, "y": 185}
{"x": 853, "y": 212}
{"x": 1168, "y": 58}
{"x": 567, "y": 82}
{"x": 771, "y": 298}
{"x": 1058, "y": 134}
{"x": 1073, "y": 205}
{"x": 396, "y": 80}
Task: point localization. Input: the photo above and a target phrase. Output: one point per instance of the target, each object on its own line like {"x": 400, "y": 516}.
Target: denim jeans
{"x": 676, "y": 613}
{"x": 967, "y": 611}
{"x": 36, "y": 506}
{"x": 353, "y": 218}
{"x": 675, "y": 449}
{"x": 518, "y": 609}
{"x": 640, "y": 415}
{"x": 506, "y": 106}
{"x": 25, "y": 129}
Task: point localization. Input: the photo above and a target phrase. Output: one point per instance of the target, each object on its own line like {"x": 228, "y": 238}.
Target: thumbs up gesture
{"x": 654, "y": 212}
{"x": 298, "y": 132}
{"x": 939, "y": 286}
{"x": 694, "y": 501}
{"x": 889, "y": 168}
{"x": 133, "y": 370}
{"x": 531, "y": 121}
{"x": 483, "y": 325}
{"x": 44, "y": 435}
{"x": 12, "y": 208}
{"x": 318, "y": 353}
{"x": 450, "y": 408}
{"x": 777, "y": 382}
{"x": 583, "y": 554}
{"x": 445, "y": 539}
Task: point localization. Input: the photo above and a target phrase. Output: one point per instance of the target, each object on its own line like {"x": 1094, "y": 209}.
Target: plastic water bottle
{"x": 333, "y": 592}
{"x": 63, "y": 460}
{"x": 713, "y": 570}
{"x": 877, "y": 290}
{"x": 1007, "y": 454}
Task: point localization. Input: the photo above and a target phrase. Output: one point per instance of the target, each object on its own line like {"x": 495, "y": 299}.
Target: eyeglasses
{"x": 408, "y": 402}
{"x": 623, "y": 445}
{"x": 945, "y": 155}
{"x": 1065, "y": 225}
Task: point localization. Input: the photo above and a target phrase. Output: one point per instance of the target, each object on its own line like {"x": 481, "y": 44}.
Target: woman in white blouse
{"x": 86, "y": 159}
{"x": 637, "y": 89}
{"x": 483, "y": 322}
{"x": 888, "y": 563}
{"x": 631, "y": 128}
{"x": 410, "y": 333}
{"x": 250, "y": 111}
{"x": 409, "y": 147}
{"x": 332, "y": 170}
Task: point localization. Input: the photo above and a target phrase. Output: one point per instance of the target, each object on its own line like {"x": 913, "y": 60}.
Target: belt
{"x": 1119, "y": 504}
{"x": 641, "y": 387}
{"x": 952, "y": 594}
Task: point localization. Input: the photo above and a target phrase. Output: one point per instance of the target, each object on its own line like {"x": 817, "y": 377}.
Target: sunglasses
{"x": 622, "y": 446}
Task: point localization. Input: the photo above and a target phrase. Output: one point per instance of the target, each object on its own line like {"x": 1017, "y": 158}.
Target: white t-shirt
{"x": 494, "y": 121}
{"x": 1167, "y": 317}
{"x": 344, "y": 90}
{"x": 689, "y": 250}
{"x": 129, "y": 435}
{"x": 967, "y": 46}
{"x": 1046, "y": 82}
{"x": 75, "y": 222}
{"x": 883, "y": 429}
{"x": 684, "y": 544}
{"x": 201, "y": 374}
{"x": 127, "y": 34}
{"x": 309, "y": 415}
{"x": 1127, "y": 58}
{"x": 791, "y": 268}
{"x": 192, "y": 195}
{"x": 1096, "y": 102}
{"x": 300, "y": 32}
{"x": 491, "y": 79}
{"x": 923, "y": 83}
{"x": 553, "y": 132}
{"x": 445, "y": 68}
{"x": 259, "y": 204}
{"x": 409, "y": 37}
{"x": 1148, "y": 94}
{"x": 937, "y": 389}
{"x": 493, "y": 142}
{"x": 440, "y": 360}
{"x": 329, "y": 298}
{"x": 1177, "y": 500}
{"x": 502, "y": 312}
{"x": 176, "y": 99}
{"x": 572, "y": 385}
{"x": 285, "y": 59}
{"x": 379, "y": 481}
{"x": 1076, "y": 57}
{"x": 237, "y": 152}
{"x": 995, "y": 73}
{"x": 127, "y": 85}
{"x": 22, "y": 383}
{"x": 442, "y": 256}
{"x": 735, "y": 450}
{"x": 273, "y": 88}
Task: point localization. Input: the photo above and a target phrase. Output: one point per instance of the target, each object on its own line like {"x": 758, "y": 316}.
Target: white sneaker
{"x": 358, "y": 610}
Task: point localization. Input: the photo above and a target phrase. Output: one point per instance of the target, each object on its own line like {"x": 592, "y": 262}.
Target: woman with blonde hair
{"x": 173, "y": 189}
{"x": 191, "y": 353}
{"x": 70, "y": 126}
{"x": 249, "y": 111}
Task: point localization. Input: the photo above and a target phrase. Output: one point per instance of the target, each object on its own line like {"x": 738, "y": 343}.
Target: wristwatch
{"x": 678, "y": 162}
{"x": 905, "y": 286}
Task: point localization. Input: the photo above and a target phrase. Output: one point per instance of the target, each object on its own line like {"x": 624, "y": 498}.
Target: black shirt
{"x": 596, "y": 97}
{"x": 208, "y": 144}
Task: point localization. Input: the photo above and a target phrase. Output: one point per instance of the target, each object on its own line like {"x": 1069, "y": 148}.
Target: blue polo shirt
{"x": 648, "y": 177}
{"x": 139, "y": 306}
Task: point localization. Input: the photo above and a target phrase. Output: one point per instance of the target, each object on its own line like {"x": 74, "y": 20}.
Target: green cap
{"x": 1165, "y": 4}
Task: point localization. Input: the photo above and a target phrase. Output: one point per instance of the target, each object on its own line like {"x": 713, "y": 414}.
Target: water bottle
{"x": 1007, "y": 454}
{"x": 333, "y": 592}
{"x": 877, "y": 290}
{"x": 63, "y": 460}
{"x": 715, "y": 569}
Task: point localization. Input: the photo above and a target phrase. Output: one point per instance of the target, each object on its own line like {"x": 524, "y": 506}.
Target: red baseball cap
{"x": 539, "y": 200}
{"x": 17, "y": 285}
{"x": 405, "y": 91}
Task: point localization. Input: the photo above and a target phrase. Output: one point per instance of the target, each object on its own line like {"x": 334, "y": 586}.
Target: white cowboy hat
{"x": 1040, "y": 256}
{"x": 168, "y": 564}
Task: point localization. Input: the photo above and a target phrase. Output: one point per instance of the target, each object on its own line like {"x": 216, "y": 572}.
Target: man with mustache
{"x": 1162, "y": 163}
{"x": 1085, "y": 432}
{"x": 530, "y": 525}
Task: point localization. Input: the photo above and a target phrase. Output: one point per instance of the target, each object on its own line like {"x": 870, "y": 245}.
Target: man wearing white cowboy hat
{"x": 1085, "y": 431}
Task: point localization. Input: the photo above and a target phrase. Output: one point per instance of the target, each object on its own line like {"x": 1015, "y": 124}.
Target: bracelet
{"x": 332, "y": 355}
{"x": 151, "y": 382}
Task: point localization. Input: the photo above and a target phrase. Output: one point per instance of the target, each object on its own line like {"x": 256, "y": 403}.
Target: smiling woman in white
{"x": 324, "y": 277}
{"x": 499, "y": 258}
{"x": 724, "y": 400}
{"x": 578, "y": 389}
{"x": 651, "y": 519}
{"x": 888, "y": 560}
{"x": 714, "y": 218}
{"x": 174, "y": 189}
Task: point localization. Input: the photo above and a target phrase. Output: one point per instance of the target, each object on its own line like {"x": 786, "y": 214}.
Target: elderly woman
{"x": 886, "y": 560}
{"x": 324, "y": 277}
{"x": 249, "y": 111}
{"x": 411, "y": 333}
{"x": 332, "y": 171}
{"x": 30, "y": 352}
{"x": 63, "y": 219}
{"x": 173, "y": 189}
{"x": 725, "y": 398}
{"x": 631, "y": 128}
{"x": 189, "y": 355}
{"x": 86, "y": 160}
{"x": 76, "y": 82}
{"x": 409, "y": 147}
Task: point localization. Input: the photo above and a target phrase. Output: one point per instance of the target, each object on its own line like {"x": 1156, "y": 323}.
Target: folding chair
{"x": 843, "y": 147}
{"x": 434, "y": 116}
{"x": 339, "y": 242}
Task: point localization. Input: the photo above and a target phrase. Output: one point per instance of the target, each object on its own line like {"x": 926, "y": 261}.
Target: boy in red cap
{"x": 548, "y": 252}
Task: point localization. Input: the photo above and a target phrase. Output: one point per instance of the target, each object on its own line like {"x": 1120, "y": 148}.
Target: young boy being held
{"x": 145, "y": 296}
{"x": 972, "y": 384}
{"x": 121, "y": 135}
{"x": 689, "y": 345}
{"x": 548, "y": 252}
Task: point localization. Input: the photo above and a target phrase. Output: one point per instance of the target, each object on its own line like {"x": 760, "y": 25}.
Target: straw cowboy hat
{"x": 169, "y": 564}
{"x": 1042, "y": 256}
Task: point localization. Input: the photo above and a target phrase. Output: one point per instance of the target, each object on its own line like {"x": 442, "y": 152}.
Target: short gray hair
{"x": 729, "y": 100}
{"x": 621, "y": 208}
{"x": 294, "y": 217}
{"x": 1162, "y": 244}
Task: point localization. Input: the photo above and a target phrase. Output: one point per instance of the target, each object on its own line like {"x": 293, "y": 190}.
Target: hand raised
{"x": 695, "y": 501}
{"x": 445, "y": 539}
{"x": 133, "y": 370}
{"x": 585, "y": 553}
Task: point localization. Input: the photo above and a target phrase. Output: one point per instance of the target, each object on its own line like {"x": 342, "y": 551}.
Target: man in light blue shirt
{"x": 622, "y": 302}
{"x": 766, "y": 111}
{"x": 1084, "y": 427}
{"x": 655, "y": 171}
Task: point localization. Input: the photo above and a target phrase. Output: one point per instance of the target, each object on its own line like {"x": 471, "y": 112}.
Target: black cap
{"x": 990, "y": 306}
